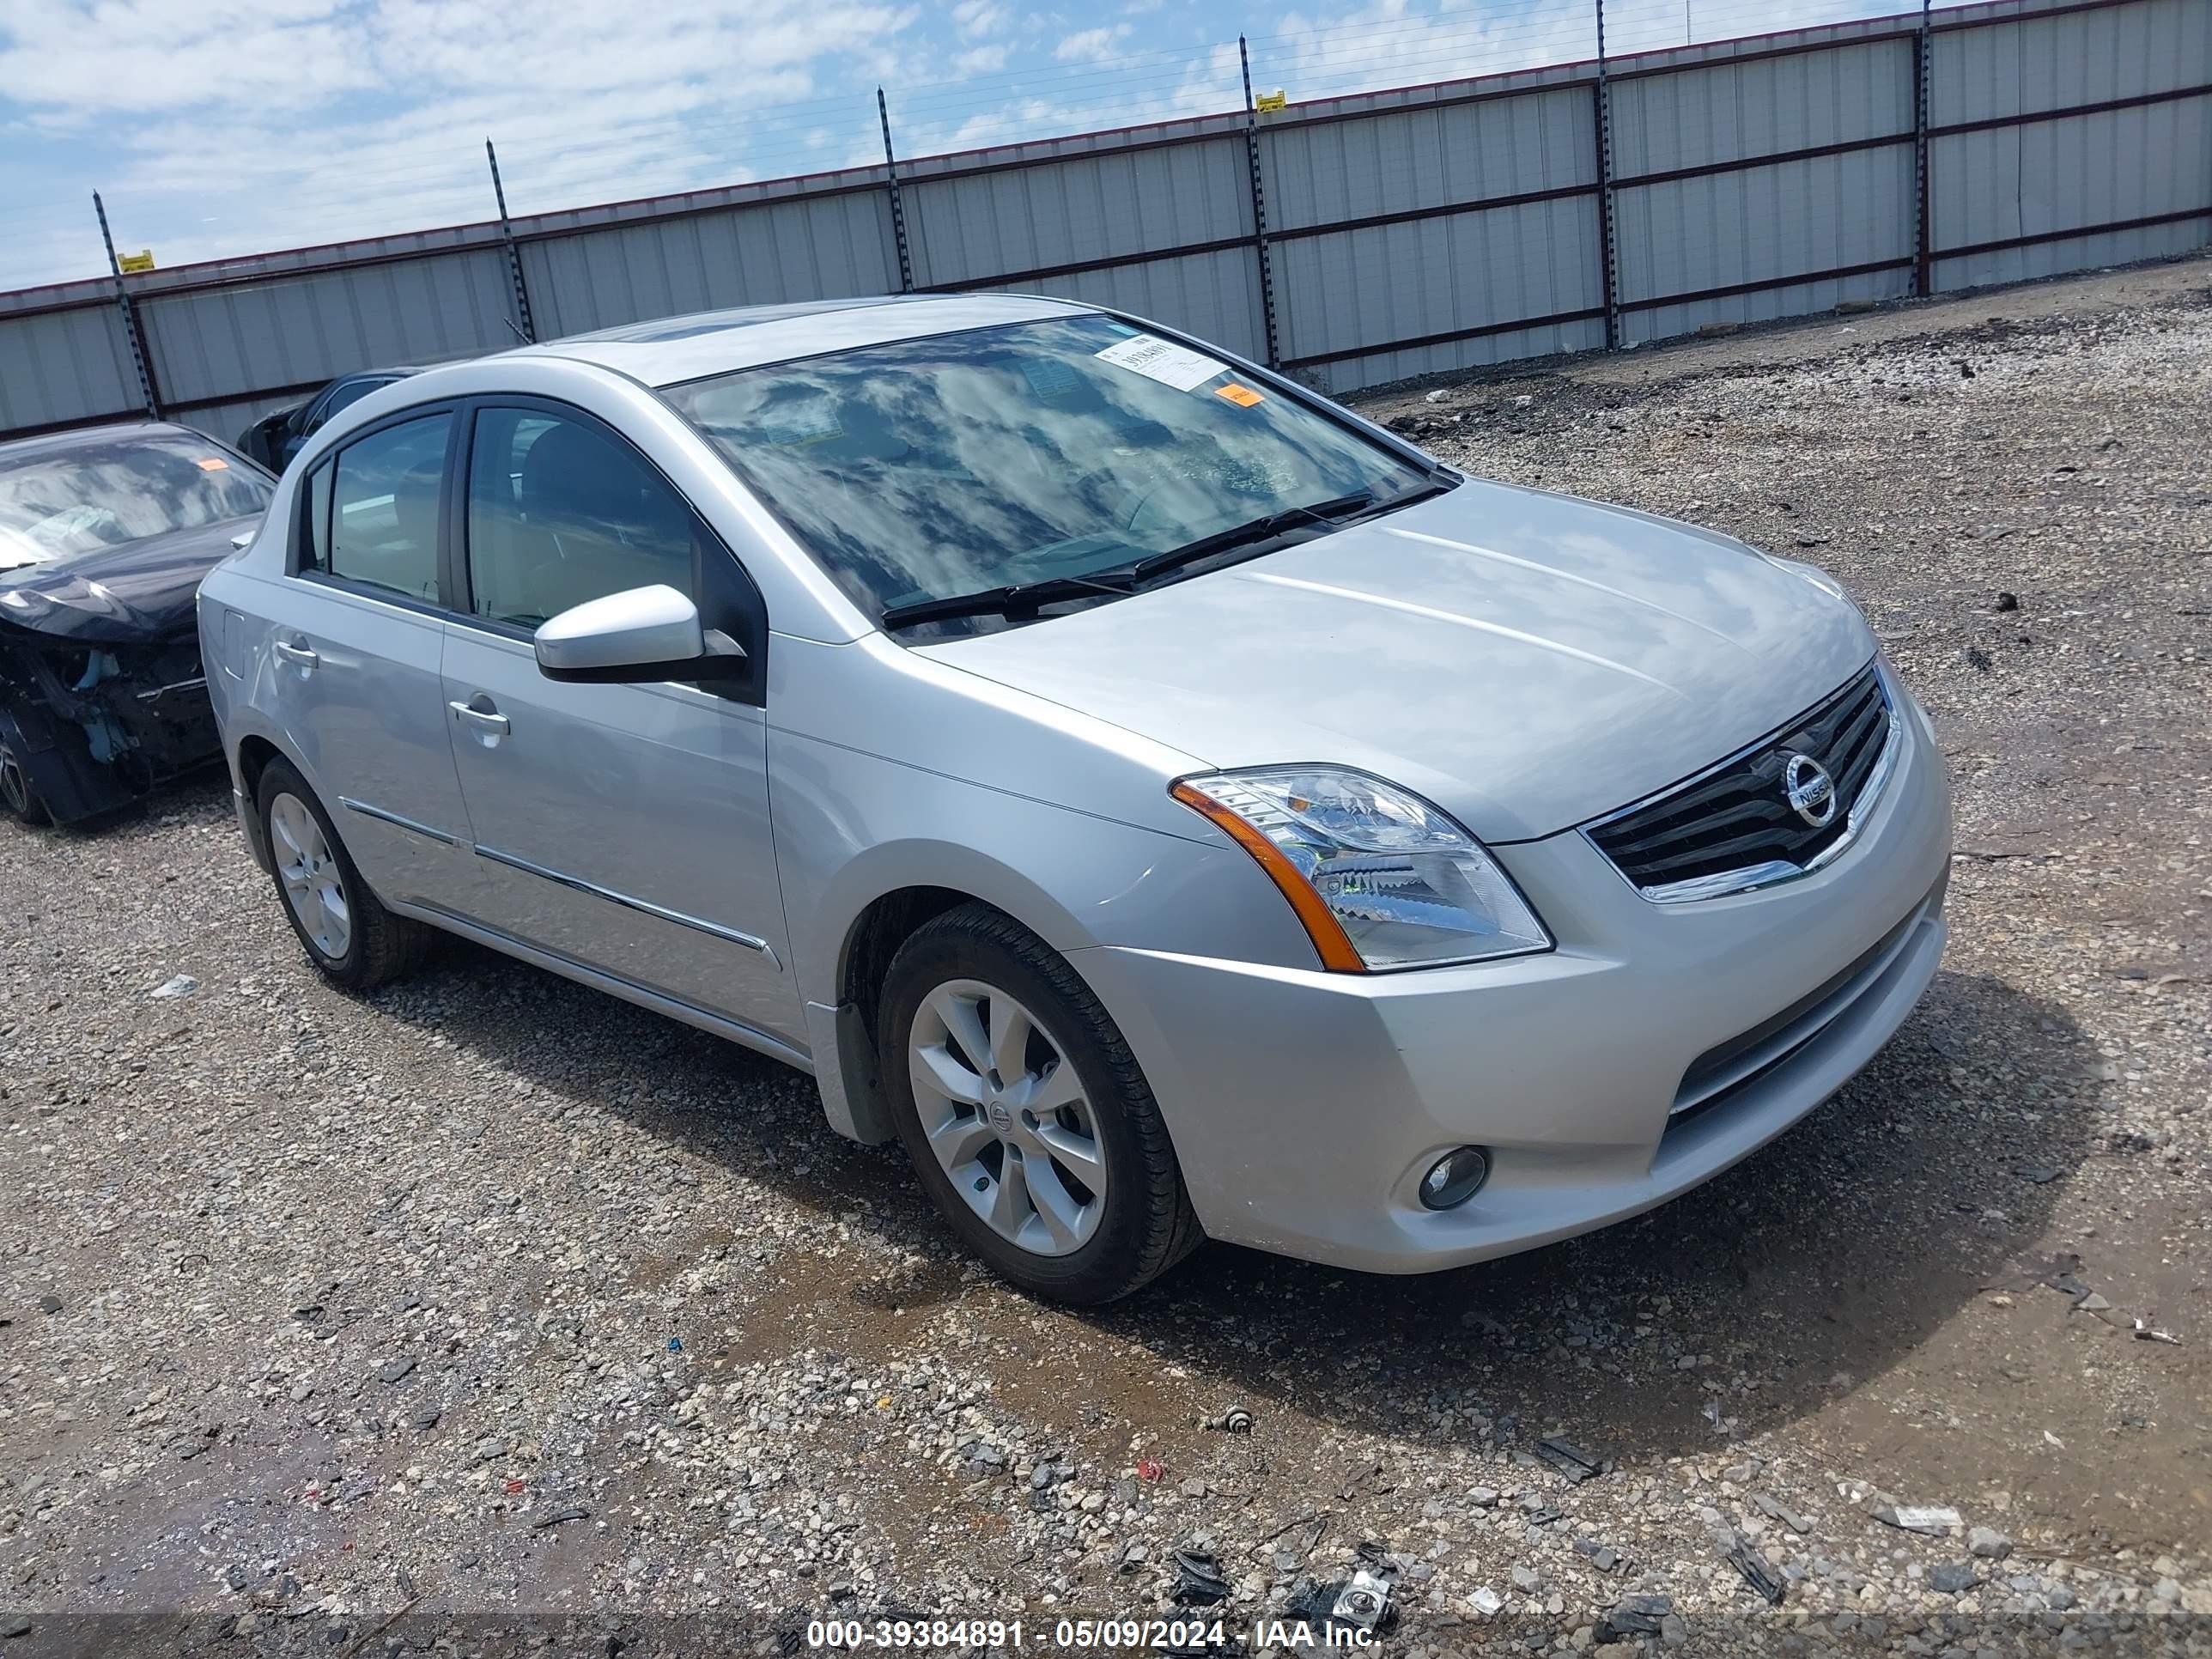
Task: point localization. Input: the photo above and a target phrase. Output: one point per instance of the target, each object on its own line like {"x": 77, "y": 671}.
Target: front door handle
{"x": 298, "y": 655}
{"x": 479, "y": 714}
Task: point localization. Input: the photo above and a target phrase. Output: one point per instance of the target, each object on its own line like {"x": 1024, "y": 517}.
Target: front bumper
{"x": 1305, "y": 1105}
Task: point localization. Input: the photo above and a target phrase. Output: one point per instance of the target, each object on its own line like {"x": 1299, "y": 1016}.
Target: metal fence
{"x": 1353, "y": 241}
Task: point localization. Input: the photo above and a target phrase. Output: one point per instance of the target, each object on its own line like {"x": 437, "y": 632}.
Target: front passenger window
{"x": 384, "y": 507}
{"x": 560, "y": 512}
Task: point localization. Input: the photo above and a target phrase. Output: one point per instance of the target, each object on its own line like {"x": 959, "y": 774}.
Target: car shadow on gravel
{"x": 1816, "y": 1264}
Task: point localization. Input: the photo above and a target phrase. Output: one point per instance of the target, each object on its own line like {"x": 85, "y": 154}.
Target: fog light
{"x": 1455, "y": 1178}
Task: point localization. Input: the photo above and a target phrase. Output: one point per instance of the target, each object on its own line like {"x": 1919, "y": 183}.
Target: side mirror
{"x": 634, "y": 637}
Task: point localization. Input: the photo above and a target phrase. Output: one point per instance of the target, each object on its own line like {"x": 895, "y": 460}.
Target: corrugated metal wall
{"x": 2011, "y": 179}
{"x": 1399, "y": 233}
{"x": 1425, "y": 239}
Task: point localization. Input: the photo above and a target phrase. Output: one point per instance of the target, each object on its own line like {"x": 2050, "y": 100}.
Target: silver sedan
{"x": 1172, "y": 806}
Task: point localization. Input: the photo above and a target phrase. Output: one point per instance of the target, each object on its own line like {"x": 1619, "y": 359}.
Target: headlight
{"x": 1379, "y": 876}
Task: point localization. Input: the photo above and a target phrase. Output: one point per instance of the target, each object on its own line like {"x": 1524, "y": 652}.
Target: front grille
{"x": 1736, "y": 820}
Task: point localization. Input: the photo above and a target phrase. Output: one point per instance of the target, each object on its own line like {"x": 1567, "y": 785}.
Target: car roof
{"x": 669, "y": 349}
{"x": 87, "y": 437}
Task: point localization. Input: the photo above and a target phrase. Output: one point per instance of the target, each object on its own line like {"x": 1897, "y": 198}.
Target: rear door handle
{"x": 486, "y": 720}
{"x": 298, "y": 655}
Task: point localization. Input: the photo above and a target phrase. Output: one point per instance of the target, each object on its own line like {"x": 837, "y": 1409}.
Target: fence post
{"x": 141, "y": 358}
{"x": 898, "y": 206}
{"x": 1601, "y": 114}
{"x": 1259, "y": 210}
{"x": 527, "y": 328}
{"x": 1923, "y": 214}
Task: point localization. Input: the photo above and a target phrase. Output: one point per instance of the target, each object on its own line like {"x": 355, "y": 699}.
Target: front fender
{"x": 852, "y": 828}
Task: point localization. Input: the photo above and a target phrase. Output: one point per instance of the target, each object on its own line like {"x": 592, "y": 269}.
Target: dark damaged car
{"x": 104, "y": 534}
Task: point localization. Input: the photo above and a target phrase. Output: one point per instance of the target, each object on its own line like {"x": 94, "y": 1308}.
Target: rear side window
{"x": 384, "y": 509}
{"x": 560, "y": 512}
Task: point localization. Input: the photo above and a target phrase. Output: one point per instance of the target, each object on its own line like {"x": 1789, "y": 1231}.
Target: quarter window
{"x": 317, "y": 554}
{"x": 384, "y": 509}
{"x": 560, "y": 512}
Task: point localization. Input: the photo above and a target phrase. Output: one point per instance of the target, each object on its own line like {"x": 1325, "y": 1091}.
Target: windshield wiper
{"x": 1331, "y": 512}
{"x": 1021, "y": 600}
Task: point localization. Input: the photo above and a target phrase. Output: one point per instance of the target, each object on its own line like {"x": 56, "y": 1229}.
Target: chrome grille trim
{"x": 1769, "y": 872}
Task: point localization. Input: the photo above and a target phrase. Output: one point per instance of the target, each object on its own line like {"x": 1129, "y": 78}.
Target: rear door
{"x": 625, "y": 827}
{"x": 354, "y": 654}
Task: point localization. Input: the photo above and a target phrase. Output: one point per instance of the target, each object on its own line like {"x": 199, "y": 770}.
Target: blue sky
{"x": 223, "y": 127}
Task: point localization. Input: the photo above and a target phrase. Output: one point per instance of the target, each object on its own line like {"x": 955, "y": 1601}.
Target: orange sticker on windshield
{"x": 1243, "y": 396}
{"x": 214, "y": 464}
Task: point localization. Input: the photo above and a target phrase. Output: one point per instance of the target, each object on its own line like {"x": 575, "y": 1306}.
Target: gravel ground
{"x": 351, "y": 1326}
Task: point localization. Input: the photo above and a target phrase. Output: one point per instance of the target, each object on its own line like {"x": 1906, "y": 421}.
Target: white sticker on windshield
{"x": 1162, "y": 360}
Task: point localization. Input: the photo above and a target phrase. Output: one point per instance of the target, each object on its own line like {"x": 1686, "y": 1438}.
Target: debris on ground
{"x": 1757, "y": 1570}
{"x": 1363, "y": 1603}
{"x": 1569, "y": 1458}
{"x": 1633, "y": 1616}
{"x": 181, "y": 985}
{"x": 1199, "y": 1579}
{"x": 1933, "y": 1520}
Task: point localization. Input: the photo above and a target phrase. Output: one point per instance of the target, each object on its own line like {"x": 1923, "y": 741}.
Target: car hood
{"x": 1526, "y": 661}
{"x": 140, "y": 591}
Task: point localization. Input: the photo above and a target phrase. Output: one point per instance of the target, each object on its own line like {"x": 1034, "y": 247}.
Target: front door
{"x": 356, "y": 638}
{"x": 625, "y": 827}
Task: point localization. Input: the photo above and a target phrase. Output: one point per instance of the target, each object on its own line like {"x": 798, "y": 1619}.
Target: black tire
{"x": 1147, "y": 1225}
{"x": 380, "y": 946}
{"x": 18, "y": 799}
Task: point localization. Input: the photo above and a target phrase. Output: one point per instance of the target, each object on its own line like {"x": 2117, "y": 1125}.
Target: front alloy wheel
{"x": 1025, "y": 1115}
{"x": 1007, "y": 1117}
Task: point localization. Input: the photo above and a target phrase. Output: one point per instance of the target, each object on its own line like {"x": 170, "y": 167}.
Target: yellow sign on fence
{"x": 1268, "y": 103}
{"x": 141, "y": 261}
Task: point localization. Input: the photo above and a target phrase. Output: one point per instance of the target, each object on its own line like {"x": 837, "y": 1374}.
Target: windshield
{"x": 58, "y": 504}
{"x": 932, "y": 468}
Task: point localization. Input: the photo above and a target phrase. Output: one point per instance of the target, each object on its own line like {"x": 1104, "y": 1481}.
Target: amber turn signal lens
{"x": 1326, "y": 932}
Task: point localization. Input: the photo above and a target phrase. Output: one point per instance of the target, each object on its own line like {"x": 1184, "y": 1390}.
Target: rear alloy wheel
{"x": 314, "y": 886}
{"x": 347, "y": 933}
{"x": 1024, "y": 1113}
{"x": 17, "y": 798}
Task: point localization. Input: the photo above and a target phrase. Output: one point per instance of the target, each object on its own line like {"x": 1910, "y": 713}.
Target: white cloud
{"x": 229, "y": 126}
{"x": 1096, "y": 46}
{"x": 981, "y": 60}
{"x": 973, "y": 17}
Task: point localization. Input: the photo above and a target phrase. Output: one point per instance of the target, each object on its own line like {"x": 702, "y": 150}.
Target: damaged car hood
{"x": 141, "y": 591}
{"x": 1525, "y": 660}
